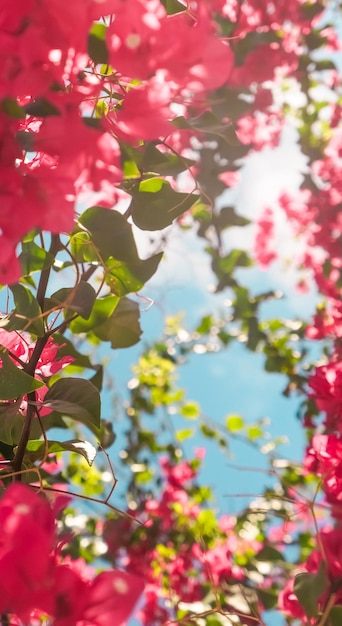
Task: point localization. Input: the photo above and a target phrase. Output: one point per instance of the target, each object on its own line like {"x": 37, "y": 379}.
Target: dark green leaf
{"x": 97, "y": 379}
{"x": 155, "y": 204}
{"x": 26, "y": 140}
{"x": 208, "y": 122}
{"x": 11, "y": 107}
{"x": 97, "y": 47}
{"x": 14, "y": 383}
{"x": 269, "y": 554}
{"x": 163, "y": 163}
{"x": 122, "y": 329}
{"x": 335, "y": 616}
{"x": 107, "y": 435}
{"x": 173, "y": 6}
{"x": 77, "y": 398}
{"x": 268, "y": 598}
{"x": 324, "y": 65}
{"x": 12, "y": 422}
{"x": 79, "y": 299}
{"x": 41, "y": 108}
{"x": 27, "y": 314}
{"x": 54, "y": 420}
{"x": 308, "y": 588}
{"x": 254, "y": 334}
{"x": 228, "y": 218}
{"x": 33, "y": 258}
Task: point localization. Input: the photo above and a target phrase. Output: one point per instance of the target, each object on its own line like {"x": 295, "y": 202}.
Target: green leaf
{"x": 12, "y": 423}
{"x": 122, "y": 329}
{"x": 234, "y": 423}
{"x": 97, "y": 379}
{"x": 308, "y": 588}
{"x": 14, "y": 382}
{"x": 41, "y": 108}
{"x": 26, "y": 140}
{"x": 155, "y": 204}
{"x": 173, "y": 6}
{"x": 208, "y": 122}
{"x": 79, "y": 299}
{"x": 26, "y": 309}
{"x": 208, "y": 432}
{"x": 185, "y": 433}
{"x": 76, "y": 398}
{"x": 37, "y": 448}
{"x": 228, "y": 218}
{"x": 236, "y": 258}
{"x": 107, "y": 435}
{"x": 130, "y": 161}
{"x": 254, "y": 432}
{"x": 33, "y": 258}
{"x": 103, "y": 308}
{"x": 123, "y": 278}
{"x": 11, "y": 107}
{"x": 111, "y": 234}
{"x": 97, "y": 47}
{"x": 254, "y": 333}
{"x": 269, "y": 554}
{"x": 190, "y": 410}
{"x": 335, "y": 615}
{"x": 211, "y": 620}
{"x": 83, "y": 248}
{"x": 163, "y": 163}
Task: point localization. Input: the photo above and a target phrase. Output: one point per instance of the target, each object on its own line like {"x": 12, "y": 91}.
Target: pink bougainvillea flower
{"x": 264, "y": 239}
{"x": 27, "y": 539}
{"x": 145, "y": 112}
{"x": 326, "y": 385}
{"x": 111, "y": 598}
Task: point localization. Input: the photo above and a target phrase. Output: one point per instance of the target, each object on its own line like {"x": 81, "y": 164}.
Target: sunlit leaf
{"x": 110, "y": 233}
{"x": 124, "y": 278}
{"x": 155, "y": 204}
{"x": 190, "y": 410}
{"x": 38, "y": 450}
{"x": 122, "y": 328}
{"x": 234, "y": 423}
{"x": 102, "y": 310}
